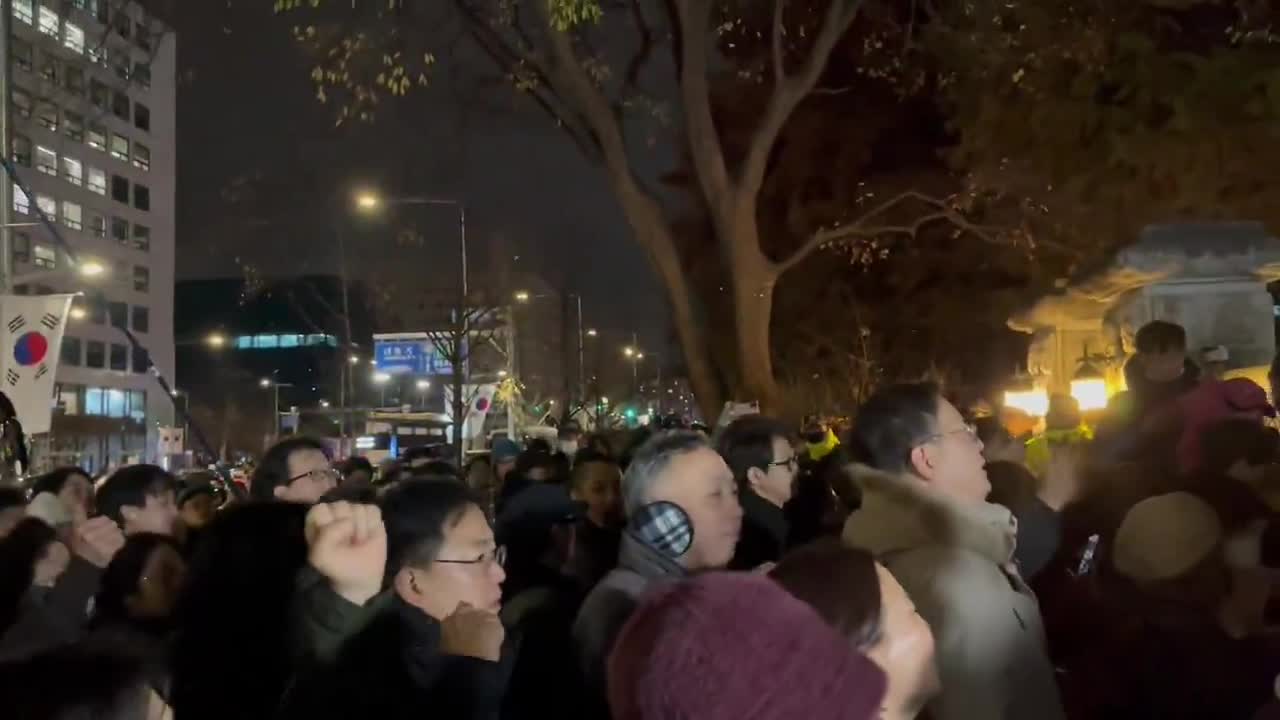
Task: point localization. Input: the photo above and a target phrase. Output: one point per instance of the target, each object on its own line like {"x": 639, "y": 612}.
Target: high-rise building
{"x": 93, "y": 117}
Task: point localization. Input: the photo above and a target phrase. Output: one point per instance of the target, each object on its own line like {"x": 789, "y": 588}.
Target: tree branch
{"x": 704, "y": 142}
{"x": 779, "y": 67}
{"x": 788, "y": 93}
{"x": 632, "y": 76}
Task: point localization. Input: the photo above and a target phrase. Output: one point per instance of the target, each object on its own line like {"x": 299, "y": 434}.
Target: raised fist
{"x": 97, "y": 540}
{"x": 347, "y": 543}
{"x": 472, "y": 633}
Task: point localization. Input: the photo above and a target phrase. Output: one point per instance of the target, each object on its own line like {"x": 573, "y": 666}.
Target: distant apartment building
{"x": 93, "y": 107}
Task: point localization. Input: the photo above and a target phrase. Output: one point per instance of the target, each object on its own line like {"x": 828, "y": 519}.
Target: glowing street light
{"x": 592, "y": 332}
{"x": 368, "y": 201}
{"x": 373, "y": 362}
{"x": 216, "y": 340}
{"x": 78, "y": 313}
{"x": 381, "y": 378}
{"x": 629, "y": 351}
{"x": 264, "y": 383}
{"x": 522, "y": 296}
{"x": 91, "y": 268}
{"x": 639, "y": 356}
{"x": 324, "y": 404}
{"x": 355, "y": 359}
{"x": 502, "y": 373}
{"x": 423, "y": 384}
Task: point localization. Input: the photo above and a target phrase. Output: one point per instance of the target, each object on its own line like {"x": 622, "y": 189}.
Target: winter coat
{"x": 956, "y": 563}
{"x": 393, "y": 669}
{"x": 51, "y": 617}
{"x": 610, "y": 603}
{"x": 764, "y": 533}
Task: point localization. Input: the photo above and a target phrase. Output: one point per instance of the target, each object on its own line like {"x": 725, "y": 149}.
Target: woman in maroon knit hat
{"x": 726, "y": 646}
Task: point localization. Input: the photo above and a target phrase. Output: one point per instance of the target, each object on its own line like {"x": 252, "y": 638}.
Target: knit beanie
{"x": 731, "y": 646}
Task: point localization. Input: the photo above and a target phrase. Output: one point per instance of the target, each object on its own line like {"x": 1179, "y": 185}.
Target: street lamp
{"x": 592, "y": 332}
{"x": 381, "y": 380}
{"x": 271, "y": 383}
{"x": 324, "y": 404}
{"x": 370, "y": 202}
{"x": 423, "y": 386}
{"x": 216, "y": 340}
{"x": 355, "y": 359}
{"x": 91, "y": 268}
{"x": 502, "y": 373}
{"x": 522, "y": 296}
{"x": 78, "y": 313}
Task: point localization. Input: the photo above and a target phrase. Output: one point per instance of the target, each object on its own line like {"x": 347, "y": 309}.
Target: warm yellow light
{"x": 424, "y": 384}
{"x": 324, "y": 403}
{"x": 1090, "y": 393}
{"x": 592, "y": 332}
{"x": 355, "y": 359}
{"x": 381, "y": 378}
{"x": 264, "y": 382}
{"x": 216, "y": 340}
{"x": 639, "y": 356}
{"x": 502, "y": 373}
{"x": 1033, "y": 402}
{"x": 628, "y": 351}
{"x": 368, "y": 201}
{"x": 91, "y": 268}
{"x": 522, "y": 296}
{"x": 78, "y": 313}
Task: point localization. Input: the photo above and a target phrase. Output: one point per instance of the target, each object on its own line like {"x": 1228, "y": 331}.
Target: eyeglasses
{"x": 324, "y": 474}
{"x": 792, "y": 462}
{"x": 969, "y": 429}
{"x": 496, "y": 556}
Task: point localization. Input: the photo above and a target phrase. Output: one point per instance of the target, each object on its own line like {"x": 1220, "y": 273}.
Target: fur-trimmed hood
{"x": 902, "y": 513}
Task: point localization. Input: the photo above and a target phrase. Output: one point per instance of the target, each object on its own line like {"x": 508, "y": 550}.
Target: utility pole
{"x": 6, "y": 136}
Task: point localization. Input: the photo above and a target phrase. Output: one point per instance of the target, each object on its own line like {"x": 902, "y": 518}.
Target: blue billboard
{"x": 413, "y": 357}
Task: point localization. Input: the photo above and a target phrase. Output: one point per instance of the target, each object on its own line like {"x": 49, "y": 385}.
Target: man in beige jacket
{"x": 925, "y": 517}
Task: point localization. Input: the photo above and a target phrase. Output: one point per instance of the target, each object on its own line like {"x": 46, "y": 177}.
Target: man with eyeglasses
{"x": 764, "y": 463}
{"x": 435, "y": 643}
{"x": 924, "y": 516}
{"x": 297, "y": 470}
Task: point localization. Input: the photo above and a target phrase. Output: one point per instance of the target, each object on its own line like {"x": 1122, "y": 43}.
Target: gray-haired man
{"x": 683, "y": 516}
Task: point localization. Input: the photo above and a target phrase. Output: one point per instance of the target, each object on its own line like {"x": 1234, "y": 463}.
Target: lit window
{"x": 97, "y": 225}
{"x": 266, "y": 341}
{"x": 288, "y": 341}
{"x": 141, "y": 279}
{"x": 22, "y": 150}
{"x": 44, "y": 256}
{"x": 120, "y": 147}
{"x": 47, "y": 116}
{"x": 73, "y": 126}
{"x": 97, "y": 138}
{"x": 138, "y": 398}
{"x": 117, "y": 399}
{"x": 244, "y": 342}
{"x": 72, "y": 170}
{"x": 97, "y": 181}
{"x": 23, "y": 55}
{"x": 46, "y": 161}
{"x": 72, "y": 215}
{"x": 141, "y": 156}
{"x": 49, "y": 21}
{"x": 141, "y": 238}
{"x": 47, "y": 205}
{"x": 22, "y": 10}
{"x": 21, "y": 203}
{"x": 73, "y": 37}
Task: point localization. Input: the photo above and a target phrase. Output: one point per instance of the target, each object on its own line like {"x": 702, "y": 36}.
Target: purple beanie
{"x": 736, "y": 645}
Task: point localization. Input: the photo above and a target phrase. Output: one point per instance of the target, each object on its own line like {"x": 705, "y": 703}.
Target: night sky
{"x": 262, "y": 171}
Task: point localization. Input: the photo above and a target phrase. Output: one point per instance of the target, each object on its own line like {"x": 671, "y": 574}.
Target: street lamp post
{"x": 423, "y": 386}
{"x": 381, "y": 380}
{"x": 370, "y": 202}
{"x": 271, "y": 383}
{"x": 523, "y": 296}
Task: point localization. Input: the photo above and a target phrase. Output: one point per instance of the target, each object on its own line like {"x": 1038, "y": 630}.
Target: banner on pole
{"x": 32, "y": 331}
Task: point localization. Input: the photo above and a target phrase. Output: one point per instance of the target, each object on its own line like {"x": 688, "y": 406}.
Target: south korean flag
{"x": 33, "y": 327}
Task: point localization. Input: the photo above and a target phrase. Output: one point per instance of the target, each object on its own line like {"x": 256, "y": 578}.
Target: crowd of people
{"x": 926, "y": 564}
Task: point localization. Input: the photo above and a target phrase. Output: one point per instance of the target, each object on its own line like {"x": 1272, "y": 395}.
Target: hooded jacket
{"x": 956, "y": 563}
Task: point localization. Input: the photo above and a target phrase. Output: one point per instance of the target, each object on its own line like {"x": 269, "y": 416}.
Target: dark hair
{"x": 19, "y": 552}
{"x": 530, "y": 460}
{"x": 54, "y": 480}
{"x": 357, "y": 464}
{"x": 273, "y": 471}
{"x": 7, "y": 410}
{"x": 893, "y": 422}
{"x": 122, "y": 576}
{"x": 11, "y": 498}
{"x": 1159, "y": 336}
{"x": 434, "y": 468}
{"x": 1229, "y": 441}
{"x": 840, "y": 583}
{"x": 239, "y": 594}
{"x": 416, "y": 514}
{"x": 538, "y": 445}
{"x": 748, "y": 443}
{"x": 110, "y": 684}
{"x": 581, "y": 466}
{"x": 131, "y": 486}
{"x": 991, "y": 430}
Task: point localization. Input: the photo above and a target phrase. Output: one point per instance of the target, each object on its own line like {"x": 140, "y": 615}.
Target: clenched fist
{"x": 472, "y": 633}
{"x": 347, "y": 543}
{"x": 97, "y": 540}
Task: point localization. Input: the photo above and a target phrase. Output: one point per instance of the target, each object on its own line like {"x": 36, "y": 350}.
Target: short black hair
{"x": 132, "y": 486}
{"x": 748, "y": 443}
{"x": 1159, "y": 336}
{"x": 416, "y": 514}
{"x": 357, "y": 464}
{"x": 990, "y": 430}
{"x": 273, "y": 471}
{"x": 54, "y": 480}
{"x": 893, "y": 422}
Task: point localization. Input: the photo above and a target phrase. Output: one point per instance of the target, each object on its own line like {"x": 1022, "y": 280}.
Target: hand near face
{"x": 347, "y": 543}
{"x": 470, "y": 632}
{"x": 97, "y": 540}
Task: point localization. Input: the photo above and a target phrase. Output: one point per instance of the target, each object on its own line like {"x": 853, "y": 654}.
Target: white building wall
{"x": 141, "y": 274}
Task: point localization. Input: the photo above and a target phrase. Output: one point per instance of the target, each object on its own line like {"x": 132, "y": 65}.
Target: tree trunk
{"x": 753, "y": 282}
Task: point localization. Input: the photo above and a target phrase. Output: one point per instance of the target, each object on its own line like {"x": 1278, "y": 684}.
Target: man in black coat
{"x": 764, "y": 463}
